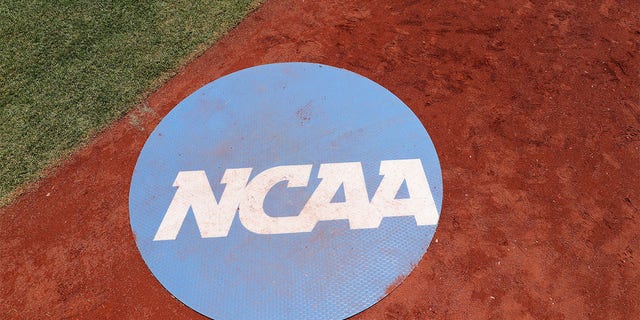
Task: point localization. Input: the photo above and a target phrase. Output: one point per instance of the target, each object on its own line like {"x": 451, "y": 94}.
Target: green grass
{"x": 69, "y": 68}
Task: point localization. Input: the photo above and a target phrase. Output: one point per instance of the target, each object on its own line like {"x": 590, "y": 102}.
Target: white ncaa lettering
{"x": 252, "y": 213}
{"x": 319, "y": 206}
{"x": 214, "y": 218}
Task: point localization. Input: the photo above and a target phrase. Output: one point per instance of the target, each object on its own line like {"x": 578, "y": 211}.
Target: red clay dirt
{"x": 533, "y": 106}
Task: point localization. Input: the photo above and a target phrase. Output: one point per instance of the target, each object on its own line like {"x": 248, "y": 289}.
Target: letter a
{"x": 420, "y": 203}
{"x": 356, "y": 204}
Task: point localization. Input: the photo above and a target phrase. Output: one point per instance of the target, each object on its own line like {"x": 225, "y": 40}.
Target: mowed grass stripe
{"x": 69, "y": 68}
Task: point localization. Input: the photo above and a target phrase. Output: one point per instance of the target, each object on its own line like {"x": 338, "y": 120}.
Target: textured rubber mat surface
{"x": 275, "y": 137}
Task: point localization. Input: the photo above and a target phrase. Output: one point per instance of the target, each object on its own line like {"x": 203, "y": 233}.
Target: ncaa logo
{"x": 285, "y": 191}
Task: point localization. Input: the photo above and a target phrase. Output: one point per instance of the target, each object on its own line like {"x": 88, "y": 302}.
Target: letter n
{"x": 194, "y": 191}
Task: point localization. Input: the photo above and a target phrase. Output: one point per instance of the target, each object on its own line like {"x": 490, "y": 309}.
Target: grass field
{"x": 69, "y": 68}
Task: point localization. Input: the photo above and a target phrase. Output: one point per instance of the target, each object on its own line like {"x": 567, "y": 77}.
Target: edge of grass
{"x": 49, "y": 168}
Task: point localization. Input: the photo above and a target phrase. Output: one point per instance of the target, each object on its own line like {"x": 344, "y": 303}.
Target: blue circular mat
{"x": 285, "y": 191}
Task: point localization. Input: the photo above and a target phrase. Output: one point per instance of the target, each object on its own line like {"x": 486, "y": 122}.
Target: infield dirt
{"x": 534, "y": 108}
